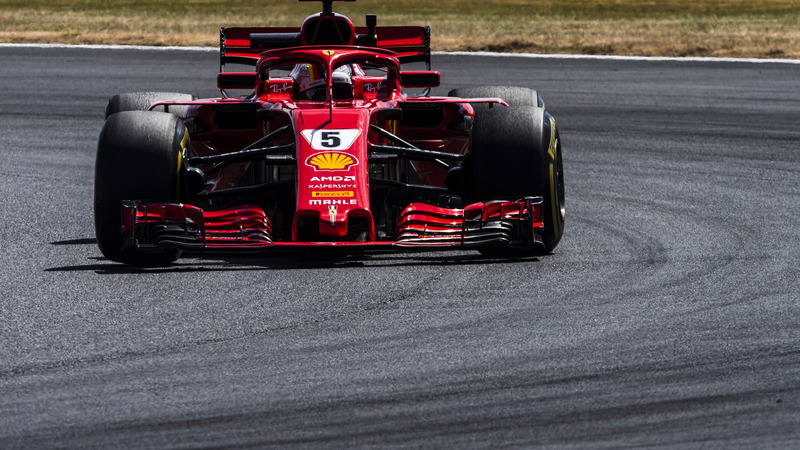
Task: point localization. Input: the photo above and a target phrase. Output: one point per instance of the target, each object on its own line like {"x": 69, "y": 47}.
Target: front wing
{"x": 158, "y": 226}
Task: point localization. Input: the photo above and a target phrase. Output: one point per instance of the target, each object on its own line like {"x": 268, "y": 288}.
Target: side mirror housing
{"x": 420, "y": 79}
{"x": 236, "y": 80}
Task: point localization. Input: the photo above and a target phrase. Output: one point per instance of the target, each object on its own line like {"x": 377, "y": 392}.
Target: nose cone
{"x": 332, "y": 175}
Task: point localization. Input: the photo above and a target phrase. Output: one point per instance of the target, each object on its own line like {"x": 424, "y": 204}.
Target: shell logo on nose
{"x": 331, "y": 161}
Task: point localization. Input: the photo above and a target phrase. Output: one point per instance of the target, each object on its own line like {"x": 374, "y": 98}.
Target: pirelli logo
{"x": 332, "y": 194}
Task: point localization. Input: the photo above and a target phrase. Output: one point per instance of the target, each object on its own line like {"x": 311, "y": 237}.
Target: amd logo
{"x": 335, "y": 178}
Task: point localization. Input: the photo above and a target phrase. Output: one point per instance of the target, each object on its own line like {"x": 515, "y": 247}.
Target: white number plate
{"x": 330, "y": 139}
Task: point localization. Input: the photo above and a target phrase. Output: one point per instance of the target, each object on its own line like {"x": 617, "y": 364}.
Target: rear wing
{"x": 241, "y": 45}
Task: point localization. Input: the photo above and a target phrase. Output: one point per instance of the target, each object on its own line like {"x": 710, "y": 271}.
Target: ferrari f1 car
{"x": 328, "y": 150}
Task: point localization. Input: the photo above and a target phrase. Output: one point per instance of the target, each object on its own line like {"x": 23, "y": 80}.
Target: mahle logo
{"x": 331, "y": 161}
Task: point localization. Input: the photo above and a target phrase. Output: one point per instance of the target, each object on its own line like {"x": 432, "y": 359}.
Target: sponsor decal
{"x": 332, "y": 194}
{"x": 331, "y": 161}
{"x": 280, "y": 88}
{"x": 373, "y": 87}
{"x": 331, "y": 186}
{"x": 335, "y": 178}
{"x": 335, "y": 201}
{"x": 332, "y": 214}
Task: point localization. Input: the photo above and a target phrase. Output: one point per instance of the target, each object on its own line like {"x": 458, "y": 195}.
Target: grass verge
{"x": 735, "y": 28}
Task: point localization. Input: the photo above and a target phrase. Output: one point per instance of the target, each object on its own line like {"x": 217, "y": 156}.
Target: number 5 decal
{"x": 331, "y": 139}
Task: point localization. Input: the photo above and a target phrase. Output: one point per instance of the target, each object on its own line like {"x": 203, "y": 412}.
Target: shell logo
{"x": 331, "y": 161}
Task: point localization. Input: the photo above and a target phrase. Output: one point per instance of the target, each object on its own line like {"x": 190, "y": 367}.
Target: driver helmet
{"x": 343, "y": 83}
{"x": 310, "y": 82}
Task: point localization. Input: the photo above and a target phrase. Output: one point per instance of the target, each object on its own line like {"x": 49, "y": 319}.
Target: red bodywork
{"x": 364, "y": 172}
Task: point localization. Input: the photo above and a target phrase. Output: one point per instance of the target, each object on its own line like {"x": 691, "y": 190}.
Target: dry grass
{"x": 767, "y": 28}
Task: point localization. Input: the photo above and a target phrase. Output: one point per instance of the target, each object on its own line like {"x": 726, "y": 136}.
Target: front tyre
{"x": 139, "y": 157}
{"x": 516, "y": 153}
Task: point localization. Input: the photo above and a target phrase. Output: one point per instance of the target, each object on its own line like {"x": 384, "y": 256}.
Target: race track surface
{"x": 668, "y": 315}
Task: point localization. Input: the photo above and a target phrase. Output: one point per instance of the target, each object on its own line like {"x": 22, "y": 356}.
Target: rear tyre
{"x": 516, "y": 152}
{"x": 139, "y": 156}
{"x": 141, "y": 101}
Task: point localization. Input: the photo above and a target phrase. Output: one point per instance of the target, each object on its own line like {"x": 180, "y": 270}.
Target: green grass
{"x": 768, "y": 28}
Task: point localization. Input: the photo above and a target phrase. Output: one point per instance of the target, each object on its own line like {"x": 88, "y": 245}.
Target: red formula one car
{"x": 328, "y": 150}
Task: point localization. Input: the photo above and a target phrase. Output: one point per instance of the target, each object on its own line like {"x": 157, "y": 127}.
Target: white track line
{"x": 485, "y": 54}
{"x": 113, "y": 47}
{"x": 625, "y": 58}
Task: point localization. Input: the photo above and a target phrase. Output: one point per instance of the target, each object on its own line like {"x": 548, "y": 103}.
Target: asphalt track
{"x": 668, "y": 316}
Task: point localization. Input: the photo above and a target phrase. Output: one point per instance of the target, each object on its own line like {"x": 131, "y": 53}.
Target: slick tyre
{"x": 513, "y": 95}
{"x": 516, "y": 152}
{"x": 139, "y": 157}
{"x": 141, "y": 101}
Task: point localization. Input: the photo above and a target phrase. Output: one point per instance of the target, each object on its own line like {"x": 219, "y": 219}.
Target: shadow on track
{"x": 294, "y": 259}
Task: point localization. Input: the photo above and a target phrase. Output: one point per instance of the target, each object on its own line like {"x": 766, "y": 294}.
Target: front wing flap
{"x": 157, "y": 226}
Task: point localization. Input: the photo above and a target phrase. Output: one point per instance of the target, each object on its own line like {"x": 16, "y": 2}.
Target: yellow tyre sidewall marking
{"x": 553, "y": 194}
{"x": 181, "y": 151}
